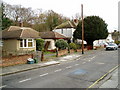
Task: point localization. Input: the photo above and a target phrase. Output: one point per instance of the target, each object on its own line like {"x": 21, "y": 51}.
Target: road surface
{"x": 80, "y": 73}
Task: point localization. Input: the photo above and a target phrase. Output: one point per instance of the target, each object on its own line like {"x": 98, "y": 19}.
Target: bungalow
{"x": 50, "y": 37}
{"x": 17, "y": 38}
{"x": 67, "y": 28}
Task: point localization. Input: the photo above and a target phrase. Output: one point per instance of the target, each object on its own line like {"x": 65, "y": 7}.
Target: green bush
{"x": 73, "y": 46}
{"x": 40, "y": 44}
{"x": 78, "y": 46}
{"x": 61, "y": 44}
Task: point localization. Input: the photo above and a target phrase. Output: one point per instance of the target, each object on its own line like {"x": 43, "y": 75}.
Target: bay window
{"x": 27, "y": 43}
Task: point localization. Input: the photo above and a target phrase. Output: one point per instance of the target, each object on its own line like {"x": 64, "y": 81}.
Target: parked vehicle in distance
{"x": 111, "y": 46}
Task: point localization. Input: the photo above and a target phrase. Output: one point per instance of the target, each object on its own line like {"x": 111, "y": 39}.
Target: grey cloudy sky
{"x": 106, "y": 9}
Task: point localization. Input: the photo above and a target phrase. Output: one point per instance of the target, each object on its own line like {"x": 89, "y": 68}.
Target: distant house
{"x": 17, "y": 38}
{"x": 67, "y": 28}
{"x": 50, "y": 38}
{"x": 102, "y": 42}
{"x": 109, "y": 38}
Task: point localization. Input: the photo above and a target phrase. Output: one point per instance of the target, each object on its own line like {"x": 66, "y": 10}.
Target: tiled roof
{"x": 15, "y": 32}
{"x": 52, "y": 35}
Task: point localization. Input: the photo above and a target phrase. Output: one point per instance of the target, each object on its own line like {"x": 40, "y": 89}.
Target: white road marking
{"x": 76, "y": 64}
{"x": 83, "y": 62}
{"x": 58, "y": 64}
{"x": 100, "y": 63}
{"x": 43, "y": 74}
{"x": 3, "y": 86}
{"x": 93, "y": 57}
{"x": 24, "y": 80}
{"x": 69, "y": 67}
{"x": 77, "y": 59}
{"x": 63, "y": 60}
{"x": 58, "y": 70}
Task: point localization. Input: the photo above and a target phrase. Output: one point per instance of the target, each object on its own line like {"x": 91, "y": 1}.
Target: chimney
{"x": 76, "y": 21}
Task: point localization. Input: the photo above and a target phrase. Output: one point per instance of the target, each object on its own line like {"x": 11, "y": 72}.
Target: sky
{"x": 106, "y": 9}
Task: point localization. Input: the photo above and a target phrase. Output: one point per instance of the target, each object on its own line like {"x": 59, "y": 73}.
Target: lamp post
{"x": 82, "y": 29}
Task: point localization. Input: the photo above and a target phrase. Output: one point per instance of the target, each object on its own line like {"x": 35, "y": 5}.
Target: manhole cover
{"x": 79, "y": 72}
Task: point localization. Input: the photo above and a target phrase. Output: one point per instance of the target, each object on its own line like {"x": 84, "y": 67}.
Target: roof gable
{"x": 67, "y": 24}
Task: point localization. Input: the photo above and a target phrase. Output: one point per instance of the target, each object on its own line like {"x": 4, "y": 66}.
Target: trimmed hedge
{"x": 40, "y": 44}
{"x": 73, "y": 46}
{"x": 61, "y": 44}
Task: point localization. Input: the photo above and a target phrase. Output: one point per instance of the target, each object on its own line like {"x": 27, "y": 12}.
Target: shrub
{"x": 40, "y": 44}
{"x": 61, "y": 44}
{"x": 117, "y": 42}
{"x": 73, "y": 46}
{"x": 78, "y": 46}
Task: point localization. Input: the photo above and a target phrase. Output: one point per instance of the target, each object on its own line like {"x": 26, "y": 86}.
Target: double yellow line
{"x": 103, "y": 76}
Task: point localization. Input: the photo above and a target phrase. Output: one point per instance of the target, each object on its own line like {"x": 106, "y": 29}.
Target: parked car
{"x": 112, "y": 46}
{"x": 119, "y": 45}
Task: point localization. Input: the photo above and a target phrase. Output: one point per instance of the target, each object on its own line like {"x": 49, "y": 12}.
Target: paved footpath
{"x": 112, "y": 82}
{"x": 26, "y": 67}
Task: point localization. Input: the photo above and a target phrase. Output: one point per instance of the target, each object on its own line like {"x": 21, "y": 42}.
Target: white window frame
{"x": 27, "y": 40}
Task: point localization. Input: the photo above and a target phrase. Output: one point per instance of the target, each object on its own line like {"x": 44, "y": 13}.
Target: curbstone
{"x": 4, "y": 74}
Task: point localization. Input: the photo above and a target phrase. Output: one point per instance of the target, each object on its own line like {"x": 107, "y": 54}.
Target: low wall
{"x": 65, "y": 52}
{"x": 14, "y": 60}
{"x": 72, "y": 50}
{"x": 62, "y": 52}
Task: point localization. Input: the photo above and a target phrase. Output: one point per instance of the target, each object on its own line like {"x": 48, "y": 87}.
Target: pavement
{"x": 111, "y": 83}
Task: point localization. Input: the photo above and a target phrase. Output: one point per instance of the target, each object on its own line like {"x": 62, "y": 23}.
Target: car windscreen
{"x": 111, "y": 45}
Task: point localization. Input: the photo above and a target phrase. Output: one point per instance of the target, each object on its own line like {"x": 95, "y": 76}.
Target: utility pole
{"x": 82, "y": 29}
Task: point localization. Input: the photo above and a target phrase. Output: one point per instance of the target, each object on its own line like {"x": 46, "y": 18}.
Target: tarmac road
{"x": 80, "y": 73}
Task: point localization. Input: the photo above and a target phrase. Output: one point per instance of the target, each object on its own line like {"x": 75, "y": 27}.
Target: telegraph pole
{"x": 82, "y": 29}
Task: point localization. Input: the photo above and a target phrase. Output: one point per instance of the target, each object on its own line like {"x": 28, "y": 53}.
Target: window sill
{"x": 27, "y": 47}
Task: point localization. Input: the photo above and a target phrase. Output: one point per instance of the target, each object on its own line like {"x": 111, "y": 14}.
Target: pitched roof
{"x": 52, "y": 35}
{"x": 67, "y": 24}
{"x": 15, "y": 32}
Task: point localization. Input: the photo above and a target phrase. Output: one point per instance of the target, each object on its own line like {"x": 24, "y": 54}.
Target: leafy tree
{"x": 37, "y": 19}
{"x": 6, "y": 22}
{"x": 61, "y": 44}
{"x": 94, "y": 28}
{"x": 53, "y": 19}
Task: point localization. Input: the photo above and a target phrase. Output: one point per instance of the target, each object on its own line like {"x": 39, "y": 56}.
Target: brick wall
{"x": 72, "y": 50}
{"x": 65, "y": 52}
{"x": 79, "y": 50}
{"x": 62, "y": 52}
{"x": 14, "y": 60}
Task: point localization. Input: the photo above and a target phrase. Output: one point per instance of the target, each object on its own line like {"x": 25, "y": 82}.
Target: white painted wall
{"x": 52, "y": 44}
{"x": 68, "y": 32}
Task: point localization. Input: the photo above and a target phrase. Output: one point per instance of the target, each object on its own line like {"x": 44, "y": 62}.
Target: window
{"x": 26, "y": 43}
{"x": 21, "y": 43}
{"x": 30, "y": 42}
{"x": 61, "y": 31}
